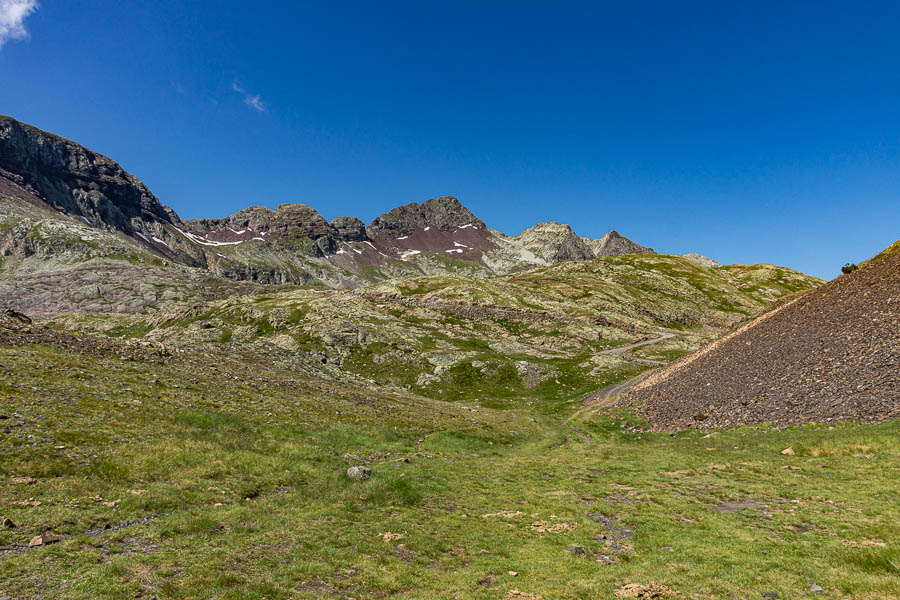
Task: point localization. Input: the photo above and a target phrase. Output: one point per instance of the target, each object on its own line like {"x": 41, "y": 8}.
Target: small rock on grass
{"x": 788, "y": 451}
{"x": 7, "y": 523}
{"x": 639, "y": 590}
{"x": 359, "y": 472}
{"x": 816, "y": 588}
{"x": 43, "y": 540}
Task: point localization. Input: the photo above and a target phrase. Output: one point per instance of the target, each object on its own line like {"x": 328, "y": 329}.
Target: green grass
{"x": 232, "y": 474}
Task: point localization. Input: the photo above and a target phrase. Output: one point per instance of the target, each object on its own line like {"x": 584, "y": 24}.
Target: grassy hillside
{"x": 542, "y": 336}
{"x": 191, "y": 476}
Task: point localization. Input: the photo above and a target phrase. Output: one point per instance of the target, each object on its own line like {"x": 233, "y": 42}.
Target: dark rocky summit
{"x": 75, "y": 180}
{"x": 445, "y": 214}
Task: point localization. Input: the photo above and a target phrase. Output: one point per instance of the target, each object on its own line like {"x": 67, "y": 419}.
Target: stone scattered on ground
{"x": 864, "y": 544}
{"x": 505, "y": 514}
{"x": 43, "y": 540}
{"x": 546, "y": 527}
{"x": 359, "y": 472}
{"x": 517, "y": 595}
{"x": 639, "y": 590}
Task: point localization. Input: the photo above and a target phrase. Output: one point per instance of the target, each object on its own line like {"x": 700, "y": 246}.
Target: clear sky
{"x": 746, "y": 131}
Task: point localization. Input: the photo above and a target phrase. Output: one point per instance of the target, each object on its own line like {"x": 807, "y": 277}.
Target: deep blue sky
{"x": 749, "y": 132}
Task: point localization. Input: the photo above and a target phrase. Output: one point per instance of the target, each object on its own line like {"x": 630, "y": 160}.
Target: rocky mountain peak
{"x": 444, "y": 213}
{"x": 555, "y": 242}
{"x": 77, "y": 181}
{"x": 615, "y": 244}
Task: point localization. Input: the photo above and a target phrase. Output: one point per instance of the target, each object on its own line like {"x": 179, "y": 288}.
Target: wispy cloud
{"x": 12, "y": 18}
{"x": 251, "y": 100}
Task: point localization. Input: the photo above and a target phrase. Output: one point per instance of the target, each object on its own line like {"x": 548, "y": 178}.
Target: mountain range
{"x": 54, "y": 188}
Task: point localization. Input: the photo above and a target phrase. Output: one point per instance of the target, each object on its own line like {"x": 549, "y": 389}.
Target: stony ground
{"x": 832, "y": 354}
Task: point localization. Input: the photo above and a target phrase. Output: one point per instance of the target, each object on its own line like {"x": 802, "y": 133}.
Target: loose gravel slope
{"x": 832, "y": 354}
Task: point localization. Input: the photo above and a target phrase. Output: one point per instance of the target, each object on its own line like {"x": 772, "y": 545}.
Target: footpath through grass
{"x": 190, "y": 477}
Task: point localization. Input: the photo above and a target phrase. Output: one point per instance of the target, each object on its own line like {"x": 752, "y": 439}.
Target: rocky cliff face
{"x": 75, "y": 180}
{"x": 291, "y": 244}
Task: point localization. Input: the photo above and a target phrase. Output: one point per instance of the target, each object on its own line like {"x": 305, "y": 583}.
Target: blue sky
{"x": 749, "y": 132}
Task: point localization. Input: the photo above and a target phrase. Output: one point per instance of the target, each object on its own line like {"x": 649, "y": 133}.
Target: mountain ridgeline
{"x": 59, "y": 200}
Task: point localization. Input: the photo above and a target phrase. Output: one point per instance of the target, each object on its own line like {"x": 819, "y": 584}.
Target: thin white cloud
{"x": 251, "y": 100}
{"x": 12, "y": 19}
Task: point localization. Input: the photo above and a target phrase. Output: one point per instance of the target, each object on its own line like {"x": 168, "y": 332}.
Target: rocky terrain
{"x": 831, "y": 354}
{"x": 50, "y": 187}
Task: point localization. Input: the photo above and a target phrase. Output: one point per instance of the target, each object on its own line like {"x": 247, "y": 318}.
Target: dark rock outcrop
{"x": 445, "y": 213}
{"x": 75, "y": 180}
{"x": 350, "y": 229}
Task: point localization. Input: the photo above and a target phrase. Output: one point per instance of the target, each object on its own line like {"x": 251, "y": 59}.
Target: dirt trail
{"x": 606, "y": 395}
{"x": 630, "y": 347}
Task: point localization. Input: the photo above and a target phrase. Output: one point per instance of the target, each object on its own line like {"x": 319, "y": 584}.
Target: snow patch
{"x": 340, "y": 251}
{"x": 426, "y": 229}
{"x": 260, "y": 239}
{"x": 83, "y": 219}
{"x": 472, "y": 225}
{"x": 409, "y": 253}
{"x": 203, "y": 241}
{"x": 461, "y": 245}
{"x": 371, "y": 244}
{"x": 403, "y": 238}
{"x": 143, "y": 237}
{"x": 457, "y": 250}
{"x": 357, "y": 251}
{"x": 159, "y": 241}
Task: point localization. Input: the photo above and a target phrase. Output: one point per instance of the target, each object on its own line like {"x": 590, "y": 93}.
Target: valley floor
{"x": 197, "y": 477}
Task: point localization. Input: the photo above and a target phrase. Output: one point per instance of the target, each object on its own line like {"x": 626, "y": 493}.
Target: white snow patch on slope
{"x": 409, "y": 253}
{"x": 452, "y": 250}
{"x": 426, "y": 229}
{"x": 159, "y": 241}
{"x": 403, "y": 238}
{"x": 461, "y": 245}
{"x": 203, "y": 241}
